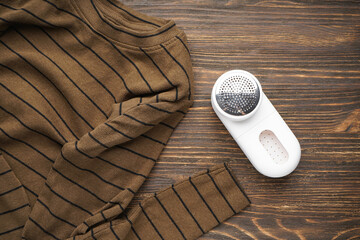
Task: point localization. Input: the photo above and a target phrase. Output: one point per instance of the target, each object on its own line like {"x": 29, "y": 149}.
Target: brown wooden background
{"x": 306, "y": 54}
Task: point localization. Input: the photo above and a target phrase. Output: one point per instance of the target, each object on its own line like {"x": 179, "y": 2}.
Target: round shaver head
{"x": 237, "y": 93}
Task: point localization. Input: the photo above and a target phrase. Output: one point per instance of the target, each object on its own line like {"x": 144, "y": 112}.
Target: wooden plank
{"x": 306, "y": 55}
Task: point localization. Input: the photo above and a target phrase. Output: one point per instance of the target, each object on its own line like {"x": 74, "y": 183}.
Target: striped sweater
{"x": 90, "y": 92}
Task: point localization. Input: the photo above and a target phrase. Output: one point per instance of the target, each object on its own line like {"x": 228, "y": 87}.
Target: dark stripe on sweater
{"x": 11, "y": 190}
{"x": 167, "y": 125}
{"x": 31, "y": 129}
{"x": 112, "y": 230}
{"x": 122, "y": 168}
{"x": 152, "y": 139}
{"x": 118, "y": 131}
{"x": 101, "y": 59}
{"x": 42, "y": 95}
{"x": 92, "y": 233}
{"x": 219, "y": 190}
{"x": 59, "y": 218}
{"x": 30, "y": 191}
{"x": 67, "y": 76}
{"x": 76, "y": 147}
{"x": 100, "y": 35}
{"x": 103, "y": 216}
{"x": 236, "y": 183}
{"x": 15, "y": 209}
{"x": 42, "y": 229}
{"x": 104, "y": 160}
{"x": 132, "y": 228}
{"x": 124, "y": 148}
{"x": 35, "y": 109}
{"x": 131, "y": 224}
{"x": 68, "y": 201}
{"x": 158, "y": 109}
{"x": 143, "y": 123}
{"x": 202, "y": 198}
{"x": 27, "y": 144}
{"x": 82, "y": 66}
{"x": 187, "y": 49}
{"x": 11, "y": 230}
{"x": 27, "y": 11}
{"x": 187, "y": 209}
{"x": 107, "y": 40}
{"x": 90, "y": 171}
{"x": 57, "y": 113}
{"x": 93, "y": 30}
{"x": 179, "y": 111}
{"x": 3, "y": 173}
{"x": 24, "y": 164}
{"x": 162, "y": 73}
{"x": 136, "y": 67}
{"x": 97, "y": 141}
{"x": 152, "y": 224}
{"x": 68, "y": 30}
{"x": 87, "y": 225}
{"x": 80, "y": 186}
{"x": 181, "y": 66}
{"x": 167, "y": 213}
{"x": 51, "y": 82}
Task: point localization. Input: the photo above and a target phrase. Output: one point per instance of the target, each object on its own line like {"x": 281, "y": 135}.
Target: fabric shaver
{"x": 267, "y": 141}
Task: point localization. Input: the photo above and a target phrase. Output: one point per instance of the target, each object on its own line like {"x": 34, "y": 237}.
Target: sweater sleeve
{"x": 185, "y": 210}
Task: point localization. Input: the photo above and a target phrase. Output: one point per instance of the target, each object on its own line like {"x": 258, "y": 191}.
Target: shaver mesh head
{"x": 238, "y": 95}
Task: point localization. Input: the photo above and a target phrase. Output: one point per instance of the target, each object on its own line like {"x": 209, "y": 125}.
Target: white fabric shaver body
{"x": 255, "y": 124}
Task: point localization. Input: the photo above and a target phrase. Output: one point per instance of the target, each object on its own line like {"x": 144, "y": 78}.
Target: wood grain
{"x": 306, "y": 54}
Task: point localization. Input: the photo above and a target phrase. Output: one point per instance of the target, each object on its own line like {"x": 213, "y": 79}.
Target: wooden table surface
{"x": 306, "y": 55}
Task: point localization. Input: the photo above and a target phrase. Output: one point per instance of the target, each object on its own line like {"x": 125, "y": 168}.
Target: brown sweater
{"x": 90, "y": 92}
